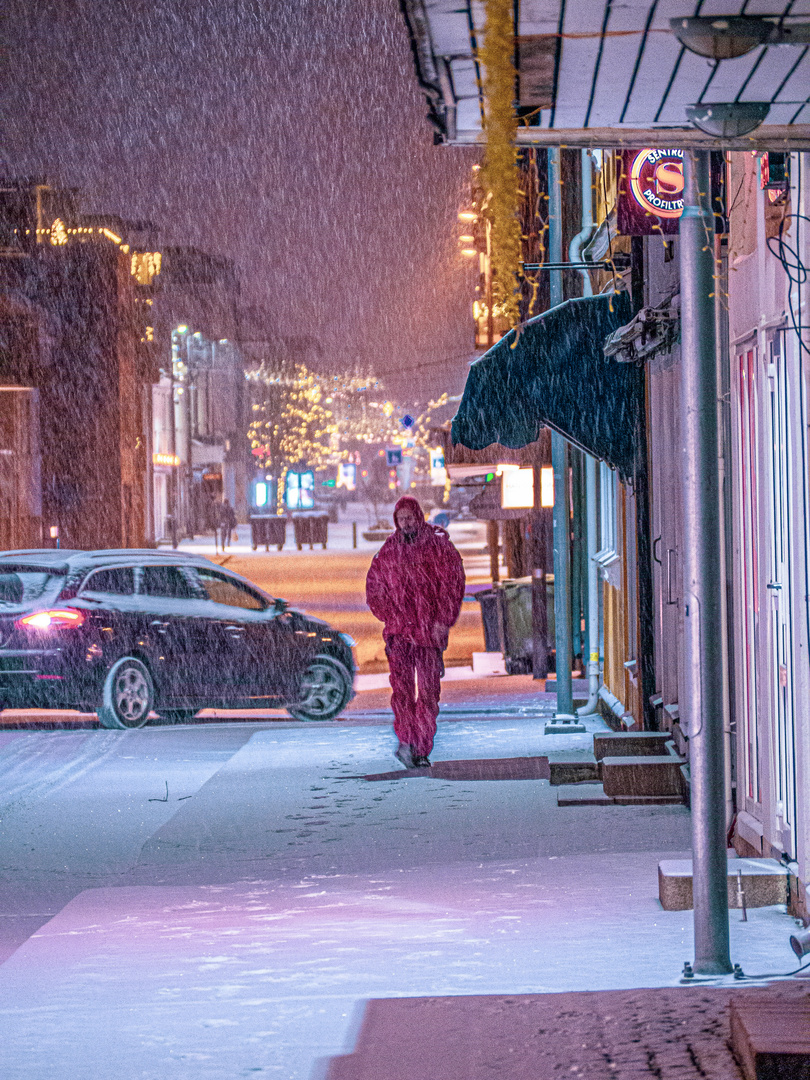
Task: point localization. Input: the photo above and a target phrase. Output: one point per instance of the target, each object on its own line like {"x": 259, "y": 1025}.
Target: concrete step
{"x": 583, "y": 795}
{"x": 771, "y": 1039}
{"x": 594, "y": 795}
{"x": 629, "y": 743}
{"x": 764, "y": 882}
{"x": 649, "y": 774}
{"x": 574, "y": 772}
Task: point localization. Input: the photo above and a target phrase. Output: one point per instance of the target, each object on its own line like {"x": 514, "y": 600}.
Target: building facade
{"x": 199, "y": 436}
{"x": 633, "y": 99}
{"x": 70, "y": 334}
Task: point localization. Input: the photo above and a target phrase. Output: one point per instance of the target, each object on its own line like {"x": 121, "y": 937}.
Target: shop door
{"x": 748, "y": 577}
{"x": 781, "y": 674}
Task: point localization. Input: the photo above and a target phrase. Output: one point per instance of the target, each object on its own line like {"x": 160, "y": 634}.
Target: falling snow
{"x": 288, "y": 136}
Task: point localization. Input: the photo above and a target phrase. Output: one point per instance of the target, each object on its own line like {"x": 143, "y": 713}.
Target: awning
{"x": 558, "y": 375}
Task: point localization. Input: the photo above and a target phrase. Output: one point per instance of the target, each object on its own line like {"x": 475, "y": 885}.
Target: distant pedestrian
{"x": 415, "y": 586}
{"x": 227, "y": 522}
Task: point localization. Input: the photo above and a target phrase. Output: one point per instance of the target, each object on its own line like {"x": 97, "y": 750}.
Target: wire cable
{"x": 739, "y": 974}
{"x": 796, "y": 271}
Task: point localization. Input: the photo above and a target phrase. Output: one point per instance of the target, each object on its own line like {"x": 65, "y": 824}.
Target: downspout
{"x": 575, "y": 255}
{"x": 586, "y": 232}
{"x": 561, "y": 525}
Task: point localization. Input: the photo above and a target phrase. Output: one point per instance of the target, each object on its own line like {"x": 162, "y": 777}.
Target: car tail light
{"x": 54, "y": 619}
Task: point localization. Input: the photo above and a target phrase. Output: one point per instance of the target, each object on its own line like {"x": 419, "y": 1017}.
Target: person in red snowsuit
{"x": 415, "y": 586}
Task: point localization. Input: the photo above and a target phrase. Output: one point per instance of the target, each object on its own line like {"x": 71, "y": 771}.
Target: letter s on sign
{"x": 669, "y": 178}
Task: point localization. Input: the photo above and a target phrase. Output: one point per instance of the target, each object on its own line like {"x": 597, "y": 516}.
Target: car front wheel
{"x": 129, "y": 694}
{"x": 326, "y": 689}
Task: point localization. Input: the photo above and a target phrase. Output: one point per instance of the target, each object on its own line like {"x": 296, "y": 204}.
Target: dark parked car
{"x": 122, "y": 633}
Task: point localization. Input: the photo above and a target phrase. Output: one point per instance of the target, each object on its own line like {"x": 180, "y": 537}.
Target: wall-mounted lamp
{"x": 728, "y": 120}
{"x": 725, "y": 37}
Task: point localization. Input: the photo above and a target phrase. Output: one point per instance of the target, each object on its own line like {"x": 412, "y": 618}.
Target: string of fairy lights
{"x": 303, "y": 417}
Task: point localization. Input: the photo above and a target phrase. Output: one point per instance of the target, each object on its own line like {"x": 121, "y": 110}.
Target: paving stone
{"x": 666, "y": 1034}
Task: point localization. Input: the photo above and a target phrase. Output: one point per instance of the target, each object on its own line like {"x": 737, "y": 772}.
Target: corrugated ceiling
{"x": 592, "y": 68}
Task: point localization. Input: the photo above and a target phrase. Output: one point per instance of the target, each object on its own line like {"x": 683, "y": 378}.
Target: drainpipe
{"x": 561, "y": 521}
{"x": 575, "y": 255}
{"x": 586, "y": 232}
{"x": 704, "y": 674}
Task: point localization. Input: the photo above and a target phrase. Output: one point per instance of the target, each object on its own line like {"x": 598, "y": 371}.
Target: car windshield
{"x": 22, "y": 585}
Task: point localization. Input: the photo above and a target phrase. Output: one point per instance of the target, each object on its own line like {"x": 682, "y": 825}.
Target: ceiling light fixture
{"x": 728, "y": 120}
{"x": 725, "y": 37}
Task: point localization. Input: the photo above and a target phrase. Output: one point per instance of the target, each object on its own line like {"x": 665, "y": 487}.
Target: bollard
{"x": 354, "y": 534}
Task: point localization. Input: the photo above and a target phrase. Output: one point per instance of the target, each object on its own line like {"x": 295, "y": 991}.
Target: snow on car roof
{"x": 58, "y": 560}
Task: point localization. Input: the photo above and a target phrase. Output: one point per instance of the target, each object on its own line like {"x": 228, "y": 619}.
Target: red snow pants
{"x": 411, "y": 666}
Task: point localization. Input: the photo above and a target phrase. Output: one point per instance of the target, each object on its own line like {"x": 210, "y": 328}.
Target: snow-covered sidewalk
{"x": 259, "y": 917}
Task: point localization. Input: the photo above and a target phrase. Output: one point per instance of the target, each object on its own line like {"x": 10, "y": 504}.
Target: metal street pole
{"x": 539, "y": 588}
{"x": 174, "y": 475}
{"x": 702, "y": 564}
{"x": 188, "y": 449}
{"x": 561, "y": 524}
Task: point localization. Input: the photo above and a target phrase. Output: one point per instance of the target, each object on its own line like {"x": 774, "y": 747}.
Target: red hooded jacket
{"x": 414, "y": 584}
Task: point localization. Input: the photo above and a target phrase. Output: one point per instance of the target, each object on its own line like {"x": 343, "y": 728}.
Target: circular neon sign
{"x": 656, "y": 181}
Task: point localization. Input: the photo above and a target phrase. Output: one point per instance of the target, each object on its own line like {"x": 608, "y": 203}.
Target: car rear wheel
{"x": 129, "y": 694}
{"x": 326, "y": 689}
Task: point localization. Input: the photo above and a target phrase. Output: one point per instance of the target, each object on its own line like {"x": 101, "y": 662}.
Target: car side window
{"x": 119, "y": 580}
{"x": 167, "y": 581}
{"x": 224, "y": 590}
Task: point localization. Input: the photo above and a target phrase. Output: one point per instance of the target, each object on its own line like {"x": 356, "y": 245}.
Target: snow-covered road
{"x": 235, "y": 928}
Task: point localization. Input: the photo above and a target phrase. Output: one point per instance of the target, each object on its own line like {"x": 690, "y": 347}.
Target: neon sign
{"x": 651, "y": 190}
{"x": 656, "y": 182}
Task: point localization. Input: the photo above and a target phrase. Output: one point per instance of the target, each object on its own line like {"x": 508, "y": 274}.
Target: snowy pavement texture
{"x": 238, "y": 931}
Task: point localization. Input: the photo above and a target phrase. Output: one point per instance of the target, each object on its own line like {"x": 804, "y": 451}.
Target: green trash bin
{"x": 516, "y": 598}
{"x": 491, "y": 617}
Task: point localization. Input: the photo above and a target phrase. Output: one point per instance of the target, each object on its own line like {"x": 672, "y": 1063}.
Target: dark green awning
{"x": 557, "y": 375}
